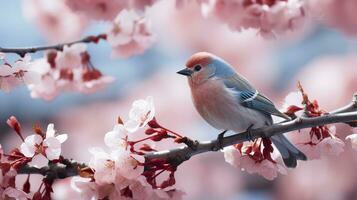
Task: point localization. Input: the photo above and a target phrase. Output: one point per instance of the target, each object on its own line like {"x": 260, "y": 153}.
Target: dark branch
{"x": 59, "y": 47}
{"x": 176, "y": 156}
{"x": 67, "y": 168}
{"x": 346, "y": 114}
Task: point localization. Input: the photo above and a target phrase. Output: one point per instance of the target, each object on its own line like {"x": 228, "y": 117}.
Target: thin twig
{"x": 59, "y": 47}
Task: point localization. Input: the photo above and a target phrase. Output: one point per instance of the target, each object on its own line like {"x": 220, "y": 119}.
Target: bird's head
{"x": 203, "y": 66}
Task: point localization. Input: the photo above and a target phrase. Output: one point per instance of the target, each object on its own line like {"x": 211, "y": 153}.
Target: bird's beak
{"x": 185, "y": 72}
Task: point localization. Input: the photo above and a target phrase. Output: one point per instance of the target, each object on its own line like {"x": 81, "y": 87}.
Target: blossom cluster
{"x": 37, "y": 150}
{"x": 268, "y": 17}
{"x": 129, "y": 30}
{"x": 58, "y": 71}
{"x": 120, "y": 172}
{"x": 69, "y": 68}
{"x": 318, "y": 141}
{"x": 258, "y": 156}
{"x": 255, "y": 157}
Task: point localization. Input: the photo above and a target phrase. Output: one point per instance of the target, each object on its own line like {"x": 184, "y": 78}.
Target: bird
{"x": 227, "y": 101}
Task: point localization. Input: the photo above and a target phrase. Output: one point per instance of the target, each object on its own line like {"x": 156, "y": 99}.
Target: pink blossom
{"x": 85, "y": 187}
{"x": 353, "y": 139}
{"x": 28, "y": 147}
{"x": 70, "y": 57}
{"x": 265, "y": 168}
{"x": 53, "y": 142}
{"x": 104, "y": 166}
{"x": 140, "y": 114}
{"x": 331, "y": 146}
{"x": 115, "y": 138}
{"x": 34, "y": 144}
{"x": 315, "y": 148}
{"x": 269, "y": 18}
{"x": 98, "y": 9}
{"x": 67, "y": 70}
{"x": 129, "y": 34}
{"x": 13, "y": 193}
{"x": 18, "y": 73}
{"x": 128, "y": 165}
{"x": 95, "y": 82}
{"x": 38, "y": 161}
{"x": 52, "y": 19}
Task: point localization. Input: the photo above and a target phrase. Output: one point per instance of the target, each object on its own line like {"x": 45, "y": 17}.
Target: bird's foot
{"x": 249, "y": 133}
{"x": 219, "y": 143}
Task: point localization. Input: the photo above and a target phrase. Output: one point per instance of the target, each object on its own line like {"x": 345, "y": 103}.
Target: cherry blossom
{"x": 116, "y": 138}
{"x": 67, "y": 70}
{"x": 104, "y": 166}
{"x": 119, "y": 173}
{"x": 353, "y": 139}
{"x": 140, "y": 114}
{"x": 331, "y": 146}
{"x": 269, "y": 17}
{"x": 86, "y": 187}
{"x": 314, "y": 148}
{"x": 13, "y": 193}
{"x": 52, "y": 19}
{"x": 98, "y": 9}
{"x": 29, "y": 146}
{"x": 53, "y": 142}
{"x": 318, "y": 141}
{"x": 129, "y": 165}
{"x": 42, "y": 150}
{"x": 129, "y": 34}
{"x": 250, "y": 159}
{"x": 20, "y": 72}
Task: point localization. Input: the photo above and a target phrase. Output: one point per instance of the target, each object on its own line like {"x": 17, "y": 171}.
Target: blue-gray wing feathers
{"x": 249, "y": 97}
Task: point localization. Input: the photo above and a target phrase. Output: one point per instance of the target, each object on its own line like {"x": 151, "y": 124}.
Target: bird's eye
{"x": 197, "y": 68}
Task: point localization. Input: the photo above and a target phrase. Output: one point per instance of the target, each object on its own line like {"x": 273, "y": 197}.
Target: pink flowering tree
{"x": 131, "y": 163}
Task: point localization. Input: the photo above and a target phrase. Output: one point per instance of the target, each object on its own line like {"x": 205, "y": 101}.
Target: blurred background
{"x": 322, "y": 55}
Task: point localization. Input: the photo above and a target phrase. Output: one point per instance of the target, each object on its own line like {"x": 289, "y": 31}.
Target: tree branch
{"x": 59, "y": 47}
{"x": 67, "y": 168}
{"x": 346, "y": 114}
{"x": 176, "y": 156}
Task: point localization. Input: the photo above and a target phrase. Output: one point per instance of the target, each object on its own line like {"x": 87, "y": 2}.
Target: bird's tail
{"x": 287, "y": 150}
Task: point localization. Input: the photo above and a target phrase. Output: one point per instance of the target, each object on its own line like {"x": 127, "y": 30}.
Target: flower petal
{"x": 52, "y": 142}
{"x": 132, "y": 125}
{"x": 353, "y": 139}
{"x": 53, "y": 153}
{"x": 50, "y": 130}
{"x": 62, "y": 138}
{"x": 33, "y": 139}
{"x": 27, "y": 150}
{"x": 38, "y": 161}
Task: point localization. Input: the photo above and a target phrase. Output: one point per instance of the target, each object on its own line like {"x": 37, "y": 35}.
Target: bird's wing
{"x": 249, "y": 97}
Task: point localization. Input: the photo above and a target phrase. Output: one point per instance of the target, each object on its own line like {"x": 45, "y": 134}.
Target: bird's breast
{"x": 221, "y": 109}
